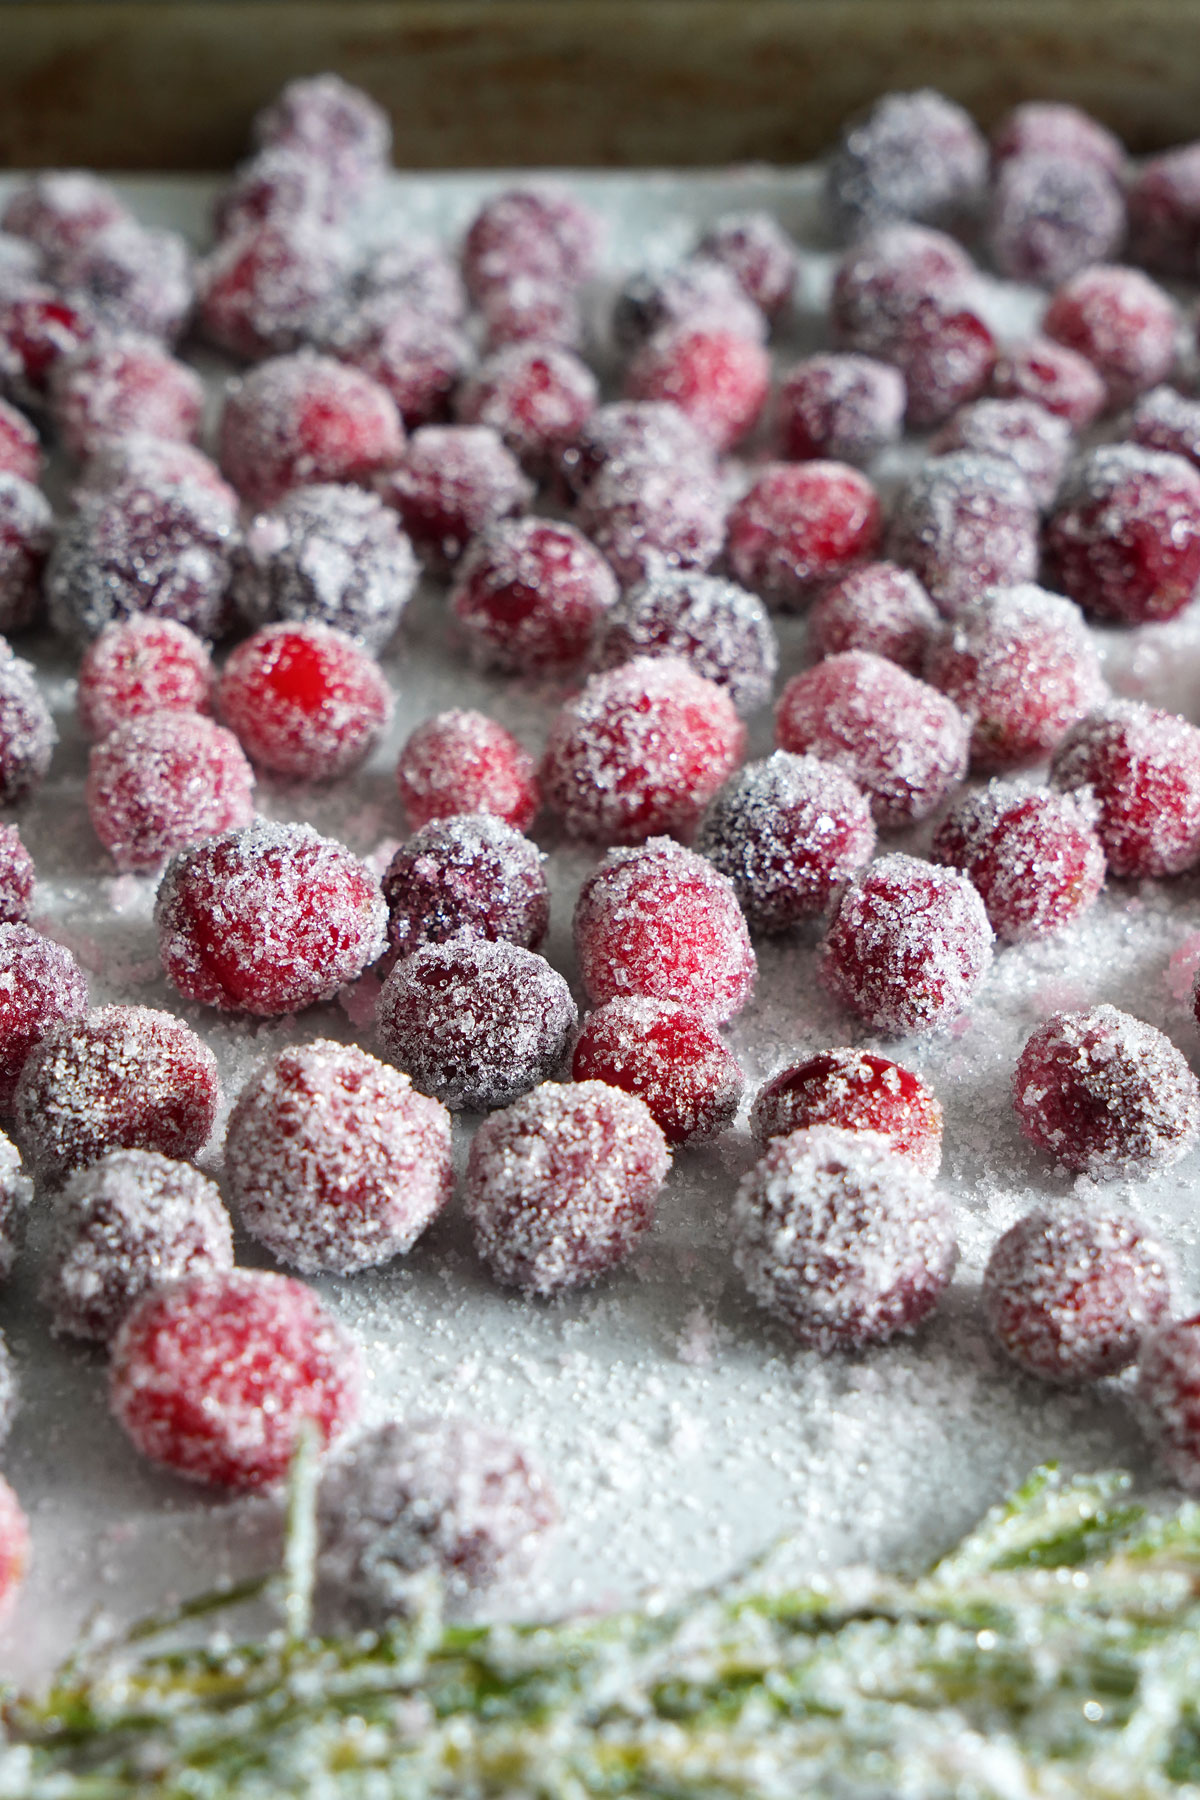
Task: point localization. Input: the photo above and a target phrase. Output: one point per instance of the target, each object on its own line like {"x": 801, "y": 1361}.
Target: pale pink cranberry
{"x": 277, "y": 187}
{"x": 1123, "y": 539}
{"x": 306, "y": 701}
{"x": 38, "y": 328}
{"x": 1033, "y": 855}
{"x": 720, "y": 379}
{"x": 1122, "y": 322}
{"x": 1052, "y": 128}
{"x": 1059, "y": 379}
{"x": 1021, "y": 432}
{"x": 273, "y": 288}
{"x": 757, "y": 251}
{"x": 669, "y": 1056}
{"x": 964, "y": 523}
{"x": 539, "y": 232}
{"x": 163, "y": 782}
{"x": 529, "y": 594}
{"x": 334, "y": 124}
{"x": 62, "y": 208}
{"x": 856, "y": 1091}
{"x": 839, "y": 406}
{"x": 880, "y": 608}
{"x": 142, "y": 666}
{"x": 531, "y": 312}
{"x": 464, "y": 762}
{"x": 450, "y": 484}
{"x": 26, "y": 534}
{"x": 27, "y": 730}
{"x": 18, "y": 877}
{"x": 120, "y": 385}
{"x": 20, "y": 446}
{"x": 912, "y": 156}
{"x": 536, "y": 396}
{"x": 302, "y": 419}
{"x": 418, "y": 272}
{"x": 799, "y": 525}
{"x": 1141, "y": 768}
{"x": 1164, "y": 212}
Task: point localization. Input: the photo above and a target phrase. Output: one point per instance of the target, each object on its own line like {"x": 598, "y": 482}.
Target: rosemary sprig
{"x": 1055, "y": 1653}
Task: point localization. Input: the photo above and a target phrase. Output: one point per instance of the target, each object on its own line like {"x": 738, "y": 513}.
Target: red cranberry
{"x": 637, "y": 433}
{"x": 659, "y": 922}
{"x": 560, "y": 1187}
{"x": 131, "y": 279}
{"x": 41, "y": 987}
{"x": 418, "y": 273}
{"x": 800, "y": 524}
{"x": 418, "y": 360}
{"x": 131, "y": 1222}
{"x": 331, "y": 122}
{"x": 301, "y": 419}
{"x": 272, "y": 289}
{"x": 142, "y": 666}
{"x": 1052, "y": 128}
{"x": 1106, "y": 1094}
{"x": 38, "y": 328}
{"x": 1121, "y": 322}
{"x": 464, "y": 762}
{"x": 1169, "y": 1389}
{"x": 1056, "y": 378}
{"x": 756, "y": 250}
{"x": 121, "y": 1078}
{"x": 964, "y": 523}
{"x": 15, "y": 1194}
{"x": 14, "y": 1546}
{"x": 880, "y": 608}
{"x": 471, "y": 875}
{"x": 26, "y": 533}
{"x": 306, "y": 701}
{"x": 326, "y": 555}
{"x": 1049, "y": 217}
{"x": 909, "y": 946}
{"x": 334, "y": 1162}
{"x": 155, "y": 463}
{"x": 670, "y": 1057}
{"x": 696, "y": 295}
{"x": 277, "y": 187}
{"x": 1070, "y": 1296}
{"x": 27, "y": 732}
{"x": 531, "y": 312}
{"x": 452, "y": 483}
{"x": 17, "y": 877}
{"x": 539, "y": 232}
{"x": 1124, "y": 537}
{"x": 124, "y": 384}
{"x": 529, "y": 594}
{"x": 1164, "y": 212}
{"x": 217, "y": 1375}
{"x": 163, "y": 782}
{"x": 841, "y": 1239}
{"x": 719, "y": 378}
{"x": 839, "y": 406}
{"x": 720, "y": 629}
{"x": 648, "y": 517}
{"x": 640, "y": 750}
{"x": 788, "y": 832}
{"x": 20, "y": 446}
{"x": 856, "y": 1091}
{"x": 1165, "y": 419}
{"x": 1142, "y": 768}
{"x": 913, "y": 156}
{"x": 902, "y": 742}
{"x": 475, "y": 1021}
{"x": 537, "y": 396}
{"x": 1022, "y": 667}
{"x": 62, "y": 208}
{"x": 1021, "y": 432}
{"x": 1033, "y": 855}
{"x": 267, "y": 920}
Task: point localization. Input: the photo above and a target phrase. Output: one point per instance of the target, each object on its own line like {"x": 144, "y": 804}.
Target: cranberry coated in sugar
{"x": 840, "y": 407}
{"x": 306, "y": 701}
{"x": 139, "y": 666}
{"x": 801, "y": 524}
{"x": 1142, "y": 770}
{"x": 464, "y": 762}
{"x": 670, "y": 1057}
{"x": 1121, "y": 321}
{"x": 1123, "y": 539}
{"x": 451, "y": 483}
{"x": 965, "y": 522}
{"x": 1033, "y": 855}
{"x": 529, "y": 594}
{"x": 470, "y": 874}
{"x": 164, "y": 782}
{"x": 305, "y": 418}
{"x": 880, "y": 608}
{"x": 719, "y": 378}
{"x": 855, "y": 1090}
{"x": 41, "y": 987}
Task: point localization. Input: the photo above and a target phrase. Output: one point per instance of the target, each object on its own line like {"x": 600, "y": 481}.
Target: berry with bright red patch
{"x": 15, "y": 1546}
{"x": 452, "y": 482}
{"x": 306, "y": 701}
{"x": 302, "y": 419}
{"x": 880, "y": 608}
{"x": 471, "y": 875}
{"x": 1033, "y": 855}
{"x": 273, "y": 288}
{"x": 757, "y": 251}
{"x": 141, "y": 666}
{"x": 464, "y": 762}
{"x": 1124, "y": 537}
{"x": 1022, "y": 432}
{"x": 719, "y": 628}
{"x": 670, "y": 1057}
{"x": 26, "y": 534}
{"x": 41, "y": 987}
{"x": 124, "y": 384}
{"x": 529, "y": 594}
{"x": 27, "y": 730}
{"x": 1142, "y": 769}
{"x": 912, "y": 156}
{"x": 163, "y": 782}
{"x": 536, "y": 396}
{"x": 963, "y": 523}
{"x": 20, "y": 446}
{"x": 38, "y": 328}
{"x": 720, "y": 379}
{"x": 1122, "y": 322}
{"x": 839, "y": 407}
{"x": 856, "y": 1091}
{"x": 801, "y": 524}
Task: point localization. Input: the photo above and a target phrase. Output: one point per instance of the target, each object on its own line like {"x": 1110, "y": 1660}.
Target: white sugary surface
{"x": 681, "y": 1429}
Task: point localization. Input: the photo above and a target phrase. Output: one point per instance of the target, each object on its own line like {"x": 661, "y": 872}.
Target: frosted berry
{"x": 17, "y": 877}
{"x": 539, "y": 232}
{"x": 913, "y": 156}
{"x": 696, "y": 295}
{"x": 133, "y": 1221}
{"x": 163, "y": 782}
{"x": 334, "y": 1162}
{"x": 471, "y": 875}
{"x": 38, "y": 328}
{"x": 670, "y": 1057}
{"x": 1052, "y": 128}
{"x": 1106, "y": 1094}
{"x": 880, "y": 608}
{"x": 16, "y": 1190}
{"x": 1124, "y": 537}
{"x": 27, "y": 731}
{"x": 1021, "y": 666}
{"x": 560, "y": 1187}
{"x": 1121, "y": 321}
{"x": 475, "y": 1021}
{"x": 640, "y": 750}
{"x": 277, "y": 187}
{"x": 306, "y": 701}
{"x": 418, "y": 360}
{"x": 856, "y": 1091}
{"x": 632, "y": 433}
{"x": 1033, "y": 855}
{"x": 334, "y": 124}
{"x": 719, "y": 378}
{"x": 452, "y": 482}
{"x": 1165, "y": 419}
{"x": 1071, "y": 1295}
{"x": 840, "y": 407}
{"x": 61, "y": 209}
{"x": 130, "y": 278}
{"x": 26, "y": 533}
{"x": 217, "y": 1375}
{"x": 22, "y": 265}
{"x": 20, "y": 446}
{"x": 1059, "y": 379}
{"x": 755, "y": 249}
{"x": 154, "y": 463}
{"x": 267, "y": 920}
{"x": 302, "y": 419}
{"x": 121, "y": 1078}
{"x": 1169, "y": 1390}
{"x": 903, "y": 743}
{"x": 647, "y": 516}
{"x": 41, "y": 987}
{"x": 1164, "y": 212}
{"x": 719, "y": 628}
{"x": 1049, "y": 217}
{"x": 963, "y": 523}
{"x": 1021, "y": 432}
{"x": 661, "y": 922}
{"x": 15, "y": 1547}
{"x": 529, "y": 594}
{"x": 842, "y": 1240}
{"x": 532, "y": 312}
{"x": 1142, "y": 769}
{"x": 119, "y": 385}
{"x": 273, "y": 288}
{"x": 416, "y": 271}
{"x": 801, "y": 524}
{"x": 788, "y": 832}
{"x": 909, "y": 946}
{"x": 141, "y": 666}
{"x": 464, "y": 762}
{"x": 536, "y": 396}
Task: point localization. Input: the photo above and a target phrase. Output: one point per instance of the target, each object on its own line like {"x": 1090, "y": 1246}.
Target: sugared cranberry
{"x": 880, "y": 608}
{"x": 913, "y": 156}
{"x": 1122, "y": 322}
{"x": 1165, "y": 419}
{"x": 26, "y": 533}
{"x": 1033, "y": 855}
{"x": 464, "y": 762}
{"x": 801, "y": 524}
{"x": 15, "y": 1546}
{"x": 539, "y": 232}
{"x": 333, "y": 123}
{"x": 429, "y": 1494}
{"x": 1052, "y": 128}
{"x": 856, "y": 1091}
{"x": 1124, "y": 537}
{"x": 1164, "y": 212}
{"x": 532, "y": 312}
{"x": 268, "y": 920}
{"x": 155, "y": 463}
{"x": 41, "y": 987}
{"x": 22, "y": 265}
{"x": 1054, "y": 377}
{"x": 452, "y": 482}
{"x": 334, "y": 1161}
{"x": 1107, "y": 1094}
{"x": 1049, "y": 217}
{"x": 561, "y": 1186}
{"x": 719, "y": 378}
{"x": 142, "y": 666}
{"x": 641, "y": 433}
{"x": 277, "y": 187}
{"x": 326, "y": 555}
{"x": 20, "y": 446}
{"x": 470, "y": 875}
{"x": 306, "y": 701}
{"x": 124, "y": 384}
{"x": 902, "y": 742}
{"x": 647, "y": 517}
{"x": 536, "y": 396}
{"x": 272, "y": 289}
{"x": 1142, "y": 768}
{"x": 1070, "y": 1295}
{"x": 121, "y": 1078}
{"x": 841, "y": 1239}
{"x": 130, "y": 278}
{"x": 788, "y": 832}
{"x": 163, "y": 782}
{"x": 17, "y": 877}
{"x": 416, "y": 271}
{"x": 909, "y": 946}
{"x": 1169, "y": 1389}
{"x": 964, "y": 523}
{"x": 696, "y": 295}
{"x": 755, "y": 249}
{"x": 475, "y": 1021}
{"x": 661, "y": 922}
{"x": 62, "y": 208}
{"x": 1022, "y": 667}
{"x": 670, "y": 1057}
{"x": 418, "y": 360}
{"x": 1022, "y": 432}
{"x": 16, "y": 1190}
{"x": 217, "y": 1375}
{"x": 529, "y": 594}
{"x": 302, "y": 419}
{"x": 719, "y": 628}
{"x": 133, "y": 1221}
{"x": 27, "y": 731}
{"x": 640, "y": 750}
{"x": 38, "y": 328}
{"x": 839, "y": 406}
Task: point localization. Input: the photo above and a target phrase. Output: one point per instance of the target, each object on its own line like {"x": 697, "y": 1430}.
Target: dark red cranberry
{"x": 42, "y": 986}
{"x": 1033, "y": 855}
{"x": 719, "y": 378}
{"x": 272, "y": 289}
{"x": 418, "y": 360}
{"x": 635, "y": 433}
{"x": 164, "y": 782}
{"x": 277, "y": 187}
{"x": 1142, "y": 768}
{"x": 965, "y": 523}
{"x": 1063, "y": 382}
{"x": 839, "y": 406}
{"x": 20, "y": 446}
{"x": 1165, "y": 419}
{"x": 540, "y": 232}
{"x": 302, "y": 419}
{"x": 306, "y": 702}
{"x": 38, "y": 328}
{"x": 529, "y": 594}
{"x": 26, "y": 533}
{"x": 696, "y": 295}
{"x": 1124, "y": 537}
{"x": 1049, "y": 217}
{"x": 856, "y": 1091}
{"x": 418, "y": 272}
{"x": 131, "y": 279}
{"x": 880, "y": 608}
{"x": 1169, "y": 1389}
{"x": 142, "y": 666}
{"x": 120, "y": 385}
{"x": 757, "y": 251}
{"x": 649, "y": 517}
{"x": 333, "y": 123}
{"x": 471, "y": 875}
{"x": 27, "y": 730}
{"x": 801, "y": 524}
{"x": 464, "y": 762}
{"x": 536, "y": 396}
{"x": 1021, "y": 432}
{"x": 1164, "y": 212}
{"x": 720, "y": 629}
{"x": 1122, "y": 322}
{"x": 913, "y": 156}
{"x": 670, "y": 1057}
{"x": 451, "y": 483}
